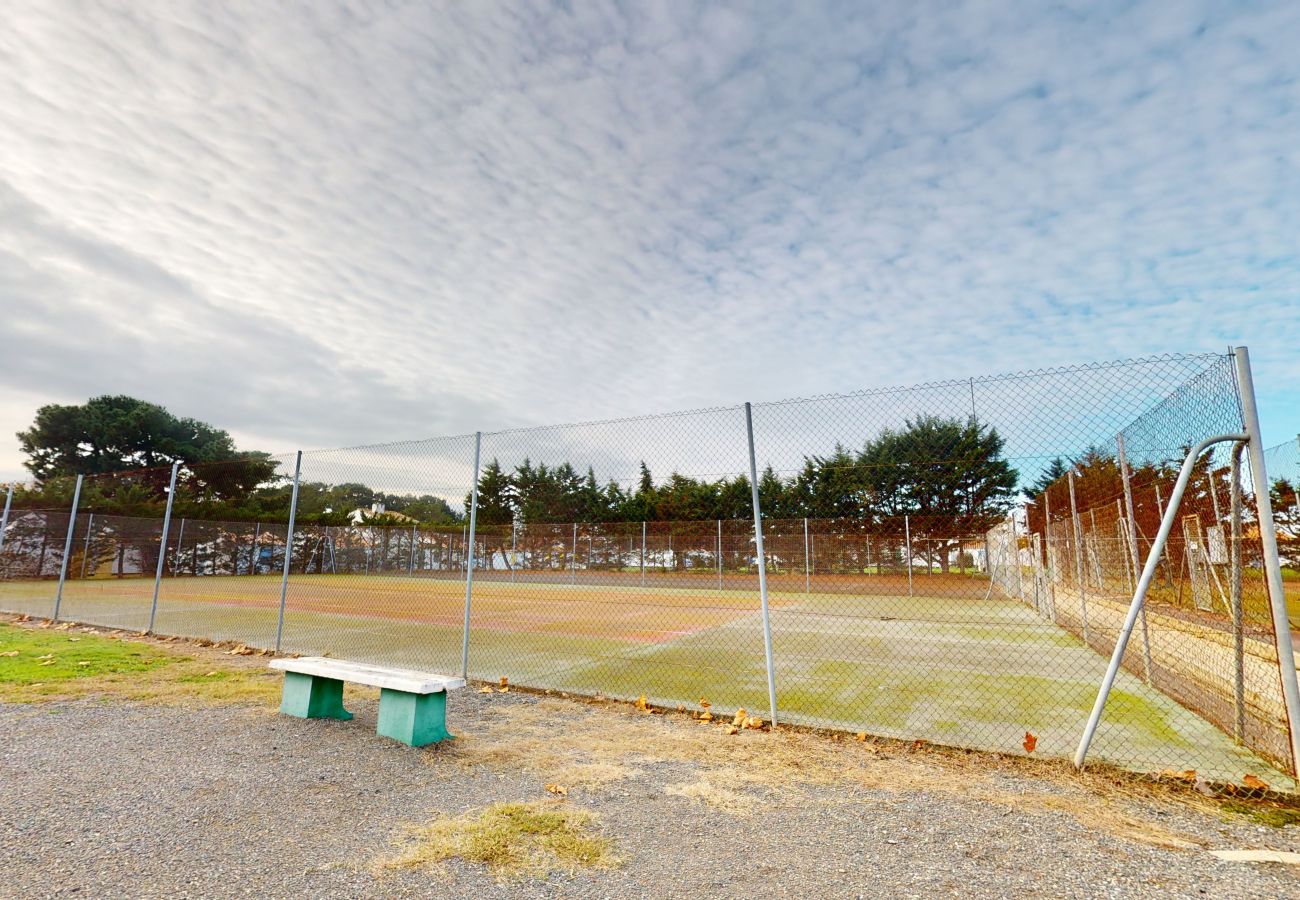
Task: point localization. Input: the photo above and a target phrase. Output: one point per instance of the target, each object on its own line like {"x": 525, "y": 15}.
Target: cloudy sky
{"x": 326, "y": 224}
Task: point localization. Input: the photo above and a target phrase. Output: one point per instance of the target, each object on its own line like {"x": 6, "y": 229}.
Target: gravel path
{"x": 112, "y": 799}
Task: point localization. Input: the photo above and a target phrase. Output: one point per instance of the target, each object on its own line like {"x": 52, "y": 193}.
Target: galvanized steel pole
{"x": 469, "y": 568}
{"x": 288, "y": 551}
{"x": 1272, "y": 563}
{"x": 4, "y": 518}
{"x": 807, "y": 570}
{"x": 1127, "y": 476}
{"x": 1078, "y": 557}
{"x": 762, "y": 563}
{"x": 1140, "y": 595}
{"x": 85, "y": 547}
{"x": 907, "y": 535}
{"x": 719, "y": 554}
{"x": 67, "y": 548}
{"x": 1234, "y": 589}
{"x": 162, "y": 545}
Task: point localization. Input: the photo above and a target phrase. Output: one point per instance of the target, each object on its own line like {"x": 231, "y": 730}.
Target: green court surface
{"x": 963, "y": 671}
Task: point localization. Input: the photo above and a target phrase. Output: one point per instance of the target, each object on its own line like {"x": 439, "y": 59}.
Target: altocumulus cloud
{"x": 338, "y": 223}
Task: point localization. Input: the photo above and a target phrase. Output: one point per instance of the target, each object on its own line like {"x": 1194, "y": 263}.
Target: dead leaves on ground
{"x": 1030, "y": 742}
{"x": 1254, "y": 783}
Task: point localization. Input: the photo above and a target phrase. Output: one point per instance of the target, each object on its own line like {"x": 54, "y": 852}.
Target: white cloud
{"x": 344, "y": 223}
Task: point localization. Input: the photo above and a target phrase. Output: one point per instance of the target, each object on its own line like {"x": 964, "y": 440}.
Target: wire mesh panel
{"x": 221, "y": 577}
{"x": 379, "y": 554}
{"x": 950, "y": 562}
{"x": 999, "y": 631}
{"x": 613, "y": 583}
{"x": 30, "y": 559}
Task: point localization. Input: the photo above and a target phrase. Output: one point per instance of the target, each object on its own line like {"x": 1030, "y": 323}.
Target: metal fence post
{"x": 410, "y": 568}
{"x": 807, "y": 570}
{"x": 85, "y": 549}
{"x": 67, "y": 548}
{"x": 762, "y": 563}
{"x": 1160, "y": 508}
{"x": 1272, "y": 563}
{"x": 469, "y": 568}
{"x": 1127, "y": 476}
{"x": 719, "y": 554}
{"x": 1078, "y": 557}
{"x": 642, "y": 553}
{"x": 1140, "y": 595}
{"x": 288, "y": 551}
{"x": 573, "y": 557}
{"x": 514, "y": 557}
{"x": 1238, "y": 632}
{"x": 162, "y": 546}
{"x": 907, "y": 536}
{"x": 176, "y": 557}
{"x": 4, "y": 516}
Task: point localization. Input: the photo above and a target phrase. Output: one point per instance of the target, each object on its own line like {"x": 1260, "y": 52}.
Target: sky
{"x": 326, "y": 224}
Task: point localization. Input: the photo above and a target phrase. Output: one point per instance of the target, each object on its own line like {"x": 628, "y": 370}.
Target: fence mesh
{"x": 949, "y": 562}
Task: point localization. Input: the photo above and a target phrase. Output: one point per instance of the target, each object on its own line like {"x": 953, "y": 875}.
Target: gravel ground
{"x": 113, "y": 799}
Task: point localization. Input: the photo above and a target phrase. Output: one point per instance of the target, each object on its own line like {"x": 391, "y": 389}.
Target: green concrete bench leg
{"x": 313, "y": 697}
{"x": 413, "y": 719}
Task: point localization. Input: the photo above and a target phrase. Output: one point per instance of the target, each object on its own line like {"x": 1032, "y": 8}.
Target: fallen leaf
{"x": 46, "y": 656}
{"x": 503, "y": 690}
{"x": 1252, "y": 781}
{"x": 558, "y": 790}
{"x": 681, "y": 707}
{"x": 48, "y": 662}
{"x": 706, "y": 717}
{"x": 485, "y": 689}
{"x": 504, "y": 681}
{"x": 1030, "y": 742}
{"x": 740, "y": 717}
{"x": 705, "y": 704}
{"x": 732, "y": 729}
{"x": 640, "y": 702}
{"x": 10, "y": 653}
{"x": 861, "y": 735}
{"x": 753, "y": 722}
{"x": 84, "y": 662}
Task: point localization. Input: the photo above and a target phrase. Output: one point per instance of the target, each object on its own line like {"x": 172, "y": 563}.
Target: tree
{"x": 947, "y": 473}
{"x": 1055, "y": 471}
{"x": 118, "y": 433}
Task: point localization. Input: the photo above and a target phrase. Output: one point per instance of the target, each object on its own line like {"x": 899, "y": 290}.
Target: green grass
{"x": 41, "y": 664}
{"x": 46, "y": 656}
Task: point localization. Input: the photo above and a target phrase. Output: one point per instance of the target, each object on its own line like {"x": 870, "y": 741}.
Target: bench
{"x": 412, "y": 705}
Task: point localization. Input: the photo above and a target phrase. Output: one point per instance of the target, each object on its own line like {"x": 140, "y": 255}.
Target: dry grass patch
{"x": 510, "y": 839}
{"x": 740, "y": 773}
{"x": 724, "y": 799}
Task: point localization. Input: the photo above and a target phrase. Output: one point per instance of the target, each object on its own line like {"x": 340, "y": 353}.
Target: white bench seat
{"x": 412, "y": 705}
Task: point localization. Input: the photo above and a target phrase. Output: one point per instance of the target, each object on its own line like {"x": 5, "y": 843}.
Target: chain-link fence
{"x": 949, "y": 562}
